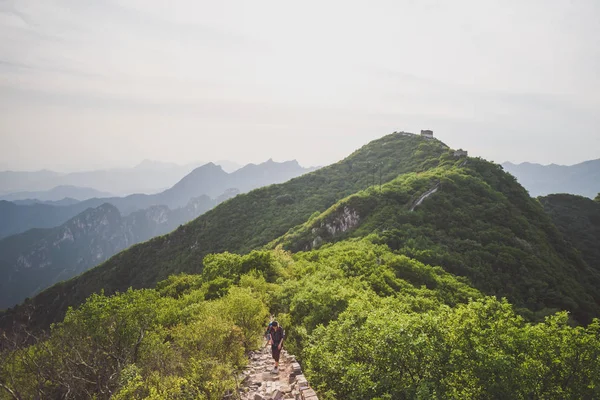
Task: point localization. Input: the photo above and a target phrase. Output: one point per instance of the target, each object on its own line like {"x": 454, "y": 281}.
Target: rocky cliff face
{"x": 342, "y": 221}
{"x": 36, "y": 259}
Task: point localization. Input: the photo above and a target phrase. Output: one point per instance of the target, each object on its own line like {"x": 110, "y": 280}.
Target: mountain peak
{"x": 208, "y": 167}
{"x": 259, "y": 218}
{"x": 106, "y": 207}
{"x": 228, "y": 166}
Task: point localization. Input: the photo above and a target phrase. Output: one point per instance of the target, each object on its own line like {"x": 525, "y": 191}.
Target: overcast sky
{"x": 87, "y": 84}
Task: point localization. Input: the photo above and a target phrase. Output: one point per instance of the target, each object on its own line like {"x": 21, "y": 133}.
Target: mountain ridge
{"x": 148, "y": 176}
{"x": 67, "y": 201}
{"x": 467, "y": 227}
{"x": 578, "y": 218}
{"x": 540, "y": 180}
{"x": 36, "y": 259}
{"x": 17, "y": 219}
{"x": 211, "y": 180}
{"x": 505, "y": 258}
{"x": 228, "y": 227}
{"x": 206, "y": 186}
{"x": 394, "y": 256}
{"x": 57, "y": 193}
{"x": 208, "y": 179}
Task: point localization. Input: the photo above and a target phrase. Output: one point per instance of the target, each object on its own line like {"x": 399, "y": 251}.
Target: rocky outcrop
{"x": 258, "y": 383}
{"x": 347, "y": 220}
{"x": 344, "y": 221}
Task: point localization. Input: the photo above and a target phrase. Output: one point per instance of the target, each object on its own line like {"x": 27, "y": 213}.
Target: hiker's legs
{"x": 276, "y": 353}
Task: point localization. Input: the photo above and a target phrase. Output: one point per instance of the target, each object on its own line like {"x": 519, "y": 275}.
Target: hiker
{"x": 276, "y": 340}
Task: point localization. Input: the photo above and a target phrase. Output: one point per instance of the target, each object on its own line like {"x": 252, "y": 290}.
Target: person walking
{"x": 276, "y": 340}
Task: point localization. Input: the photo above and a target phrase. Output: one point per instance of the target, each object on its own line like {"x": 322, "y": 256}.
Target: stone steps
{"x": 258, "y": 383}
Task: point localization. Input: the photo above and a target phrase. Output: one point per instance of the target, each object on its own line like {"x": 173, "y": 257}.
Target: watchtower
{"x": 426, "y": 133}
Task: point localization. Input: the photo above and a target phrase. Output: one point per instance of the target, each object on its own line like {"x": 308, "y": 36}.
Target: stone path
{"x": 424, "y": 196}
{"x": 258, "y": 383}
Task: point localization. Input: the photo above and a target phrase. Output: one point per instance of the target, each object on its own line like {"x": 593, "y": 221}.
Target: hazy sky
{"x": 85, "y": 84}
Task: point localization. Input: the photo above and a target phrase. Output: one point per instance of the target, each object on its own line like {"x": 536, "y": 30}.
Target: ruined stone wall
{"x": 257, "y": 382}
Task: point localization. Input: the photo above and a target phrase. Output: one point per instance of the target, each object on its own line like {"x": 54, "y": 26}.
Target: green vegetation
{"x": 444, "y": 281}
{"x": 140, "y": 344}
{"x": 36, "y": 259}
{"x": 480, "y": 350}
{"x": 239, "y": 225}
{"x": 578, "y": 218}
{"x": 366, "y": 323}
{"x": 480, "y": 224}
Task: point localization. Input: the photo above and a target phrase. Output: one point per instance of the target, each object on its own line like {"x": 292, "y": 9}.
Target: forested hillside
{"x": 365, "y": 322}
{"x": 401, "y": 272}
{"x": 20, "y": 218}
{"x": 578, "y": 218}
{"x": 479, "y": 223}
{"x": 241, "y": 224}
{"x": 36, "y": 259}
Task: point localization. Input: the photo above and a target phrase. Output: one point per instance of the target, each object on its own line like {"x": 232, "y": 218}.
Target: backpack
{"x": 268, "y": 331}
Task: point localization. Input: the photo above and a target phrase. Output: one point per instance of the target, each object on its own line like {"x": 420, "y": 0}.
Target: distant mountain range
{"x": 210, "y": 180}
{"x": 147, "y": 177}
{"x": 67, "y": 201}
{"x": 464, "y": 216}
{"x": 228, "y": 166}
{"x": 581, "y": 179}
{"x": 16, "y": 218}
{"x": 38, "y": 258}
{"x": 91, "y": 231}
{"x": 57, "y": 193}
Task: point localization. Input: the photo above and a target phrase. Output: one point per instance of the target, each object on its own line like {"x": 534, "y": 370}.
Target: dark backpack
{"x": 268, "y": 331}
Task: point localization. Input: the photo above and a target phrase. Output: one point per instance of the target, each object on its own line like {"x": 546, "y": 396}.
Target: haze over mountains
{"x": 209, "y": 179}
{"x": 253, "y": 220}
{"x": 30, "y": 263}
{"x": 581, "y": 179}
{"x": 147, "y": 177}
{"x": 18, "y": 218}
{"x": 91, "y": 231}
{"x": 408, "y": 267}
{"x": 404, "y": 229}
{"x": 55, "y": 194}
{"x": 38, "y": 258}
